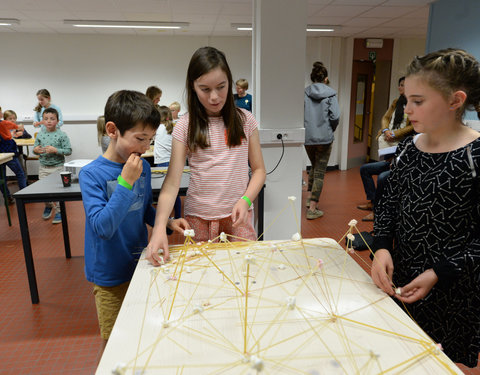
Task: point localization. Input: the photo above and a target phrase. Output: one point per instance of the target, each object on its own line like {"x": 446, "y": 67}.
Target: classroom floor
{"x": 60, "y": 334}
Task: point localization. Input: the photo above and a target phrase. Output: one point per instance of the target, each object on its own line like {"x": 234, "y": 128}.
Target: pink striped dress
{"x": 219, "y": 174}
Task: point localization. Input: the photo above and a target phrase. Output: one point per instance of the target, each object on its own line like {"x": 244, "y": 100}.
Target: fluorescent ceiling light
{"x": 242, "y": 26}
{"x": 248, "y": 27}
{"x": 9, "y": 21}
{"x": 323, "y": 28}
{"x": 126, "y": 24}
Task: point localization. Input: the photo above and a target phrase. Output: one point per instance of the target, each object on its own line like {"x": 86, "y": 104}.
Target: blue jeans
{"x": 16, "y": 168}
{"x": 380, "y": 168}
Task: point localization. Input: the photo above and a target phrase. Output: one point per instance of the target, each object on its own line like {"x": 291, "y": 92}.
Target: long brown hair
{"x": 166, "y": 118}
{"x": 44, "y": 93}
{"x": 204, "y": 60}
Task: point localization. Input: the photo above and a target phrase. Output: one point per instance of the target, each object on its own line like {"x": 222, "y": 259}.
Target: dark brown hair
{"x": 203, "y": 61}
{"x": 128, "y": 108}
{"x": 319, "y": 72}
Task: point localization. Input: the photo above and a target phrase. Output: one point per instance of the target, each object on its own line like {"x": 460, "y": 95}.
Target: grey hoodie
{"x": 321, "y": 114}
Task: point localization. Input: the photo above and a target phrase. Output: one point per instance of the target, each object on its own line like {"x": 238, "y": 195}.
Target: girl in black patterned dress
{"x": 427, "y": 228}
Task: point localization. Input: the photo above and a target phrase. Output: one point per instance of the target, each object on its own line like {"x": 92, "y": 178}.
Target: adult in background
{"x": 242, "y": 99}
{"x": 395, "y": 127}
{"x": 321, "y": 119}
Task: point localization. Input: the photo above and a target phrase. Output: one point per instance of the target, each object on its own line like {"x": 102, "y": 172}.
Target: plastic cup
{"x": 66, "y": 178}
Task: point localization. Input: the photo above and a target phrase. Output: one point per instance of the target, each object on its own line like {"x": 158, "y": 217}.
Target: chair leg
{"x": 5, "y": 199}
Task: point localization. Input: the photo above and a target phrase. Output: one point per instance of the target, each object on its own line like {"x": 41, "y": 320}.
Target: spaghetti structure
{"x": 301, "y": 306}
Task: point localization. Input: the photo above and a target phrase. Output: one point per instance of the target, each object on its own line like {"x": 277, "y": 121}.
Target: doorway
{"x": 360, "y": 112}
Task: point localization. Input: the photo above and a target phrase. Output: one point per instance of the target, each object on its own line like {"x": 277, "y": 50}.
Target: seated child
{"x": 117, "y": 197}
{"x": 8, "y": 129}
{"x": 51, "y": 145}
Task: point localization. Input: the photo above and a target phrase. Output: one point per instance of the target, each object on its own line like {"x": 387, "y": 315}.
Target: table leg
{"x": 66, "y": 238}
{"x": 261, "y": 211}
{"x": 27, "y": 250}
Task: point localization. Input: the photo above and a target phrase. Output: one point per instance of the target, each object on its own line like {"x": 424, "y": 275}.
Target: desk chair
{"x": 28, "y": 157}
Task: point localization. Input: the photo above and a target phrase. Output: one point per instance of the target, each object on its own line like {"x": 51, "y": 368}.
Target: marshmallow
{"x": 296, "y": 237}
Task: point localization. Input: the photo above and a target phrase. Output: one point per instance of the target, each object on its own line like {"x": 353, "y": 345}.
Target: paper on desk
{"x": 383, "y": 152}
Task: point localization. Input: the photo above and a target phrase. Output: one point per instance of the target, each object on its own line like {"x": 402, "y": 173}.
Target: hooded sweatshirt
{"x": 321, "y": 114}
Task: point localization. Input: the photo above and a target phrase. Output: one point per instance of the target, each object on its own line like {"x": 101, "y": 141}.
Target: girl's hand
{"x": 389, "y": 136}
{"x": 50, "y": 150}
{"x": 419, "y": 287}
{"x": 382, "y": 271}
{"x": 240, "y": 213}
{"x": 178, "y": 225}
{"x": 152, "y": 253}
{"x": 132, "y": 169}
{"x": 37, "y": 123}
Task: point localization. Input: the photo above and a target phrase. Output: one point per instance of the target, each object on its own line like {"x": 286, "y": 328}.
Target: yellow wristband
{"x": 247, "y": 199}
{"x": 121, "y": 181}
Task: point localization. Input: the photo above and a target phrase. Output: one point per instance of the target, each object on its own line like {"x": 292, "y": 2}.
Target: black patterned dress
{"x": 429, "y": 217}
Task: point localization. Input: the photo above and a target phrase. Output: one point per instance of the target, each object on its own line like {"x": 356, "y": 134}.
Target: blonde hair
{"x": 450, "y": 70}
{"x": 8, "y": 113}
{"x": 175, "y": 105}
{"x": 166, "y": 118}
{"x": 243, "y": 83}
{"x": 101, "y": 131}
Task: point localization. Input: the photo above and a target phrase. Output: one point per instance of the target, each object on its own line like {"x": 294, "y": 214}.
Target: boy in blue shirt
{"x": 117, "y": 197}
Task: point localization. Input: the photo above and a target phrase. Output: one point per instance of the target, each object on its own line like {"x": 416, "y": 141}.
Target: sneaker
{"x": 367, "y": 207}
{"x": 314, "y": 214}
{"x": 47, "y": 212}
{"x": 369, "y": 217}
{"x": 57, "y": 218}
{"x": 11, "y": 200}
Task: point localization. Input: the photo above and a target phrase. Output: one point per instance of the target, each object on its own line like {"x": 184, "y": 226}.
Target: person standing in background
{"x": 322, "y": 115}
{"x": 154, "y": 94}
{"x": 44, "y": 102}
{"x": 242, "y": 99}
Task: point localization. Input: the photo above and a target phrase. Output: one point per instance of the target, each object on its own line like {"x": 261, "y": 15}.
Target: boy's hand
{"x": 39, "y": 150}
{"x": 152, "y": 254}
{"x": 178, "y": 225}
{"x": 50, "y": 150}
{"x": 132, "y": 169}
{"x": 240, "y": 213}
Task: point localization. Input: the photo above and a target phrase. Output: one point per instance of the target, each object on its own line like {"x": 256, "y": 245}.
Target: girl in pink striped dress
{"x": 221, "y": 142}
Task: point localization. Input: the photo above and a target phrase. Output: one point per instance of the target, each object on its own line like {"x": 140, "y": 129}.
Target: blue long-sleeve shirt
{"x": 115, "y": 230}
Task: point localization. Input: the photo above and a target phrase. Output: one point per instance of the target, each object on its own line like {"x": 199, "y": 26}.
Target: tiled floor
{"x": 60, "y": 335}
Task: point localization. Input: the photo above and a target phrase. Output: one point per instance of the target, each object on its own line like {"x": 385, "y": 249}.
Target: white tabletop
{"x": 287, "y": 307}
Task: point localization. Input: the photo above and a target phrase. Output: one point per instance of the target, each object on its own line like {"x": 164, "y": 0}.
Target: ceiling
{"x": 356, "y": 18}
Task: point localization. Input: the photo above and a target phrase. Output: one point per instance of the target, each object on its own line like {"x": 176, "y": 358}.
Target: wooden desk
{"x": 27, "y": 142}
{"x": 24, "y": 141}
{"x": 149, "y": 153}
{"x": 283, "y": 311}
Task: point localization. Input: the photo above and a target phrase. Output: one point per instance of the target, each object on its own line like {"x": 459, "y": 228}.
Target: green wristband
{"x": 247, "y": 199}
{"x": 121, "y": 181}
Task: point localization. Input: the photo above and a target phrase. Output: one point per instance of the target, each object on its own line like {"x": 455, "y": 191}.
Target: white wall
{"x": 81, "y": 71}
